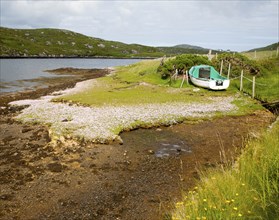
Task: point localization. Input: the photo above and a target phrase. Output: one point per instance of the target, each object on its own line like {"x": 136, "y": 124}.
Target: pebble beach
{"x": 103, "y": 124}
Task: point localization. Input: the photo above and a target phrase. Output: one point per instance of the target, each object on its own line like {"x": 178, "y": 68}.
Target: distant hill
{"x": 269, "y": 47}
{"x": 48, "y": 42}
{"x": 188, "y": 46}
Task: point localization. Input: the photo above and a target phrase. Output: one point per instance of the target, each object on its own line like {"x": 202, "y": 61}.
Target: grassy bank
{"x": 140, "y": 83}
{"x": 267, "y": 83}
{"x": 265, "y": 70}
{"x": 248, "y": 190}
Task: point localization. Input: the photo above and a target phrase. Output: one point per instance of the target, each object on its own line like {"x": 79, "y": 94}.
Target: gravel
{"x": 103, "y": 124}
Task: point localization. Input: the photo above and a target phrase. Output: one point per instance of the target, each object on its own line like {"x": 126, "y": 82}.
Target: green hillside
{"x": 171, "y": 51}
{"x": 63, "y": 43}
{"x": 266, "y": 48}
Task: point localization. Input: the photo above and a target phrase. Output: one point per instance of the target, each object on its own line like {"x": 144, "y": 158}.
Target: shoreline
{"x": 51, "y": 85}
{"x": 74, "y": 57}
{"x": 103, "y": 124}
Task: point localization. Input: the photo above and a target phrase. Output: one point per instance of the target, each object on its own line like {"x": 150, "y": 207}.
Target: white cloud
{"x": 217, "y": 24}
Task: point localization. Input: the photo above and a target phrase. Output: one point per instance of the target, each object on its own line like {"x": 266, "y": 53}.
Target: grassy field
{"x": 246, "y": 190}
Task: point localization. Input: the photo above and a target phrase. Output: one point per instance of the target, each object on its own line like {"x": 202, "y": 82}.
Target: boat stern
{"x": 219, "y": 84}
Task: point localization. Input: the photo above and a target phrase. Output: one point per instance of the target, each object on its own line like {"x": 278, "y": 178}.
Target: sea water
{"x": 16, "y": 74}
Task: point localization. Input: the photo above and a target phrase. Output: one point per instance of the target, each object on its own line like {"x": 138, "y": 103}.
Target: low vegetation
{"x": 181, "y": 64}
{"x": 246, "y": 190}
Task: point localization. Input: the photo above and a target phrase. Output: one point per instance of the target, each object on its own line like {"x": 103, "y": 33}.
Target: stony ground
{"x": 103, "y": 124}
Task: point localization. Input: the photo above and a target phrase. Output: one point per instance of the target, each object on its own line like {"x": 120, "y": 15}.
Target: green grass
{"x": 267, "y": 83}
{"x": 249, "y": 190}
{"x": 137, "y": 83}
{"x": 260, "y": 54}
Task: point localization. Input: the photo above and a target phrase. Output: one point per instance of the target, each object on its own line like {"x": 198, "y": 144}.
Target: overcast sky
{"x": 221, "y": 24}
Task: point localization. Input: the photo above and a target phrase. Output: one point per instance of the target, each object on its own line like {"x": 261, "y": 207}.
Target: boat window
{"x": 204, "y": 72}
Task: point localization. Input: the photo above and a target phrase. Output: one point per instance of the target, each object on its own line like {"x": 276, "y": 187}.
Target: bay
{"x": 17, "y": 74}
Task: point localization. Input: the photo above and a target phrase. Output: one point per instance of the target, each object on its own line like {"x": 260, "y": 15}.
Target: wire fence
{"x": 242, "y": 77}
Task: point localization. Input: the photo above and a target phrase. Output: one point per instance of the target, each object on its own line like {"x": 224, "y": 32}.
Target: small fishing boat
{"x": 207, "y": 77}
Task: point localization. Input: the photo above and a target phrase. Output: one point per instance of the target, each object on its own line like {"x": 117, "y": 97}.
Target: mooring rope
{"x": 235, "y": 78}
{"x": 255, "y": 82}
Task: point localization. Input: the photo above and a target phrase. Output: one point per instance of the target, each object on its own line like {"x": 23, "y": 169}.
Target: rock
{"x": 135, "y": 52}
{"x": 62, "y": 139}
{"x": 24, "y": 130}
{"x": 6, "y": 197}
{"x": 151, "y": 152}
{"x": 55, "y": 167}
{"x": 118, "y": 140}
{"x": 101, "y": 45}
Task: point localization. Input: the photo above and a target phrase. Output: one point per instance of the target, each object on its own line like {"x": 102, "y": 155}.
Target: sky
{"x": 237, "y": 25}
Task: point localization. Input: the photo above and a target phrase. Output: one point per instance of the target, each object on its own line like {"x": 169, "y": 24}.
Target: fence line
{"x": 253, "y": 83}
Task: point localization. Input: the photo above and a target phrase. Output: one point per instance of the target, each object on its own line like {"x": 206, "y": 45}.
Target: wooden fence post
{"x": 183, "y": 79}
{"x": 254, "y": 86}
{"x": 229, "y": 70}
{"x": 255, "y": 54}
{"x": 221, "y": 69}
{"x": 187, "y": 77}
{"x": 176, "y": 74}
{"x": 241, "y": 81}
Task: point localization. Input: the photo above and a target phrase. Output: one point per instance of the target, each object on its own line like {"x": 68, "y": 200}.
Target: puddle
{"x": 167, "y": 149}
{"x": 164, "y": 142}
